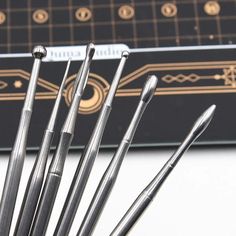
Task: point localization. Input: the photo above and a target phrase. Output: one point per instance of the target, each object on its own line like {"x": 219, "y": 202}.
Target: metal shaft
{"x": 54, "y": 174}
{"x": 35, "y": 181}
{"x": 109, "y": 177}
{"x": 144, "y": 199}
{"x": 87, "y": 160}
{"x": 15, "y": 165}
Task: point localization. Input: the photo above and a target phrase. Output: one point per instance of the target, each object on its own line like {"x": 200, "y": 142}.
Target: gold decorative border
{"x": 53, "y": 89}
{"x": 100, "y": 85}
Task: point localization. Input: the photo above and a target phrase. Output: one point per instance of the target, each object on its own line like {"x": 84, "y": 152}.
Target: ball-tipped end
{"x": 149, "y": 88}
{"x": 125, "y": 54}
{"x": 90, "y": 50}
{"x": 39, "y": 52}
{"x": 203, "y": 121}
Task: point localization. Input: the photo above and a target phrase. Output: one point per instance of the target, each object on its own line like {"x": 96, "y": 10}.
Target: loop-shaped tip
{"x": 149, "y": 88}
{"x": 90, "y": 49}
{"x": 125, "y": 54}
{"x": 203, "y": 121}
{"x": 39, "y": 52}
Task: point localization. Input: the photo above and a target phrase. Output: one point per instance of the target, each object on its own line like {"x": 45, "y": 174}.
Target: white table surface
{"x": 198, "y": 198}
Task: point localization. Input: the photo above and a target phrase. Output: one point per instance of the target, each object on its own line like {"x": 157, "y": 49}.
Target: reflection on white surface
{"x": 198, "y": 198}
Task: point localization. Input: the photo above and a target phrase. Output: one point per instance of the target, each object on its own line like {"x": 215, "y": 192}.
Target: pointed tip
{"x": 209, "y": 113}
{"x": 149, "y": 88}
{"x": 204, "y": 120}
{"x": 212, "y": 108}
{"x": 55, "y": 110}
{"x": 66, "y": 71}
{"x": 68, "y": 63}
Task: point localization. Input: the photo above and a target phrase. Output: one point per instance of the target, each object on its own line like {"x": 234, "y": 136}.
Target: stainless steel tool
{"x": 17, "y": 157}
{"x": 88, "y": 157}
{"x": 109, "y": 177}
{"x": 144, "y": 199}
{"x": 35, "y": 181}
{"x": 56, "y": 167}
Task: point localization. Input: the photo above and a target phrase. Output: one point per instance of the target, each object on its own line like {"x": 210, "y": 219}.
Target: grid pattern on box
{"x": 137, "y": 23}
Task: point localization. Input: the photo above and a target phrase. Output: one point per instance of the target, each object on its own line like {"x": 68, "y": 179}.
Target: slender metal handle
{"x": 46, "y": 205}
{"x": 58, "y": 160}
{"x": 131, "y": 216}
{"x": 50, "y": 188}
{"x": 140, "y": 204}
{"x": 15, "y": 165}
{"x": 108, "y": 180}
{"x": 33, "y": 188}
{"x": 78, "y": 184}
{"x": 87, "y": 159}
{"x": 35, "y": 181}
{"x": 101, "y": 195}
{"x": 13, "y": 175}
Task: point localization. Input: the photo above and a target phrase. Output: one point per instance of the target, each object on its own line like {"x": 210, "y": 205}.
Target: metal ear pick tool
{"x": 88, "y": 157}
{"x": 35, "y": 181}
{"x": 39, "y": 197}
{"x": 56, "y": 167}
{"x": 17, "y": 157}
{"x": 144, "y": 199}
{"x": 109, "y": 177}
